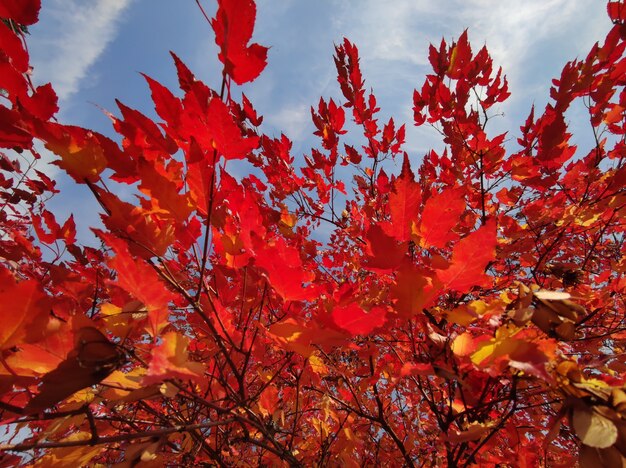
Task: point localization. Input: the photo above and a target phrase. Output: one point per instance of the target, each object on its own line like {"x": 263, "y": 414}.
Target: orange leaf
{"x": 170, "y": 361}
{"x": 417, "y": 368}
{"x": 268, "y": 400}
{"x": 141, "y": 281}
{"x": 93, "y": 358}
{"x": 413, "y": 291}
{"x": 81, "y": 154}
{"x": 24, "y": 310}
{"x": 463, "y": 345}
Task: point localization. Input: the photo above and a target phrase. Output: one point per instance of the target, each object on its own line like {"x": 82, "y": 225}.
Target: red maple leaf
{"x": 24, "y": 12}
{"x": 470, "y": 257}
{"x": 441, "y": 214}
{"x": 404, "y": 202}
{"x": 357, "y": 321}
{"x": 617, "y": 12}
{"x": 233, "y": 25}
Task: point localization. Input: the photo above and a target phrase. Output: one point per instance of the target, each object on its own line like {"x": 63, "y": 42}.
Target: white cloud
{"x": 74, "y": 34}
{"x": 513, "y": 32}
{"x": 531, "y": 40}
{"x": 292, "y": 120}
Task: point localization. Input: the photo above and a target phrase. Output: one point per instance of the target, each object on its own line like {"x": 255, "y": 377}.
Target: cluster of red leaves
{"x": 472, "y": 314}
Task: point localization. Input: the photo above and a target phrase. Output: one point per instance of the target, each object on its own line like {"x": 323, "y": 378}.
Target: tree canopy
{"x": 467, "y": 310}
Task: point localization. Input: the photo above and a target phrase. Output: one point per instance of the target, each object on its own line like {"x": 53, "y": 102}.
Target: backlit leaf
{"x": 233, "y": 26}
{"x": 470, "y": 258}
{"x": 441, "y": 214}
{"x": 170, "y": 360}
{"x": 404, "y": 201}
{"x": 356, "y": 321}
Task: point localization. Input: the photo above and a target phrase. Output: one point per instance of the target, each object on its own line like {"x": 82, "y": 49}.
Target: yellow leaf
{"x": 498, "y": 346}
{"x": 318, "y": 366}
{"x": 168, "y": 389}
{"x": 461, "y": 316}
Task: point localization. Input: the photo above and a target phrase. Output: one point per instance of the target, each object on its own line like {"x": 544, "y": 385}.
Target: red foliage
{"x": 455, "y": 317}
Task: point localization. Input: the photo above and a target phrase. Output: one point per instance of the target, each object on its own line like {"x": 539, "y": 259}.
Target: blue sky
{"x": 92, "y": 52}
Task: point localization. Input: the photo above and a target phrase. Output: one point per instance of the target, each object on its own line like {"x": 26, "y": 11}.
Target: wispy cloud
{"x": 530, "y": 40}
{"x": 292, "y": 120}
{"x": 74, "y": 34}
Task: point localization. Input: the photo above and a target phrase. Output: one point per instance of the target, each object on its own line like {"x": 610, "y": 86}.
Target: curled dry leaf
{"x": 593, "y": 429}
{"x": 591, "y": 457}
{"x": 551, "y": 295}
{"x": 556, "y": 314}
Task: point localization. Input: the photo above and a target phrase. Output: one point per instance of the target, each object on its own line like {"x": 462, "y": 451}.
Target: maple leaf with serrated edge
{"x": 170, "y": 360}
{"x": 284, "y": 268}
{"x": 357, "y": 321}
{"x": 441, "y": 213}
{"x": 233, "y": 25}
{"x": 139, "y": 280}
{"x": 404, "y": 202}
{"x": 470, "y": 257}
{"x": 24, "y": 310}
{"x": 384, "y": 252}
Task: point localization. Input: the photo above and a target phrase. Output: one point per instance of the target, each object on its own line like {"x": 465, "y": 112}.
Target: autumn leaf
{"x": 141, "y": 282}
{"x": 82, "y": 156}
{"x": 473, "y": 432}
{"x": 74, "y": 455}
{"x": 269, "y": 311}
{"x": 293, "y": 335}
{"x": 385, "y": 252}
{"x": 233, "y": 26}
{"x": 616, "y": 11}
{"x": 268, "y": 400}
{"x": 66, "y": 232}
{"x": 152, "y": 233}
{"x": 464, "y": 344}
{"x": 416, "y": 368}
{"x": 441, "y": 213}
{"x": 284, "y": 268}
{"x": 593, "y": 429}
{"x": 170, "y": 360}
{"x": 225, "y": 134}
{"x": 413, "y": 291}
{"x": 92, "y": 359}
{"x": 356, "y": 321}
{"x": 470, "y": 258}
{"x": 24, "y": 310}
{"x": 166, "y": 104}
{"x": 25, "y": 12}
{"x": 404, "y": 201}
